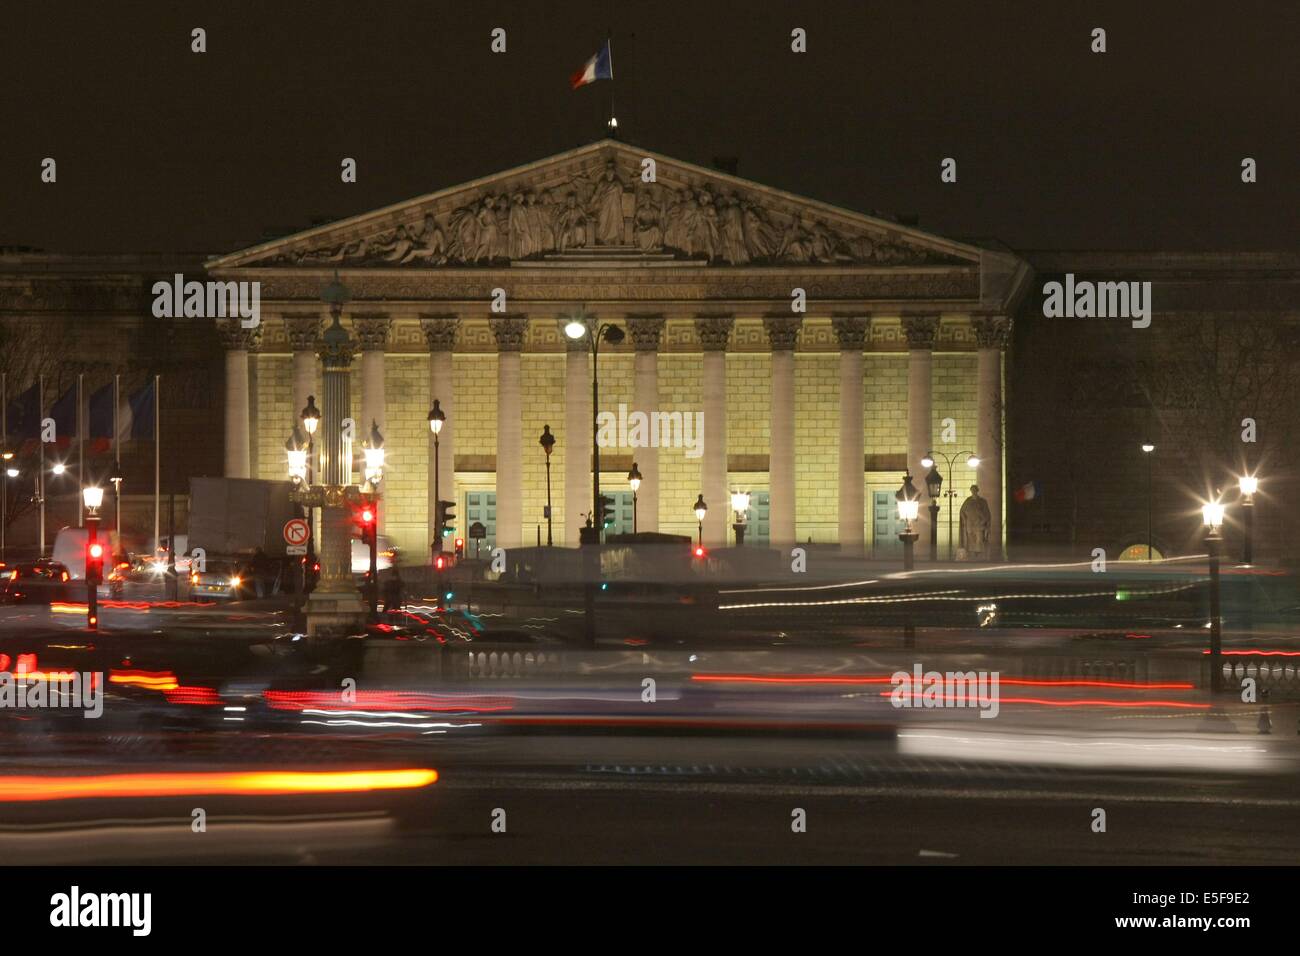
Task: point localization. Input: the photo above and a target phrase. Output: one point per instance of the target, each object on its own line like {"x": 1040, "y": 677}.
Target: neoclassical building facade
{"x": 823, "y": 352}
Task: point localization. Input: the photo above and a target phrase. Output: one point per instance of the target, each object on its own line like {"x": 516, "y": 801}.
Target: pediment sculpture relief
{"x": 603, "y": 210}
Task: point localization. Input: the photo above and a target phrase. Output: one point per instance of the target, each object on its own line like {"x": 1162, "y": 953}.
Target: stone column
{"x": 303, "y": 332}
{"x": 576, "y": 437}
{"x": 852, "y": 332}
{"x": 510, "y": 331}
{"x": 440, "y": 330}
{"x": 921, "y": 331}
{"x": 782, "y": 335}
{"x": 991, "y": 334}
{"x": 237, "y": 341}
{"x": 714, "y": 331}
{"x": 646, "y": 331}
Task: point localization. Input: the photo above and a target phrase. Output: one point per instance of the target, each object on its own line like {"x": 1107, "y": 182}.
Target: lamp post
{"x": 701, "y": 509}
{"x": 310, "y": 421}
{"x": 909, "y": 506}
{"x": 11, "y": 471}
{"x": 934, "y": 487}
{"x": 373, "y": 451}
{"x": 972, "y": 462}
{"x": 1148, "y": 449}
{"x": 437, "y": 418}
{"x": 92, "y": 497}
{"x": 740, "y": 505}
{"x": 1249, "y": 484}
{"x": 579, "y": 325}
{"x": 634, "y": 479}
{"x": 547, "y": 441}
{"x": 295, "y": 450}
{"x": 1212, "y": 515}
{"x": 116, "y": 479}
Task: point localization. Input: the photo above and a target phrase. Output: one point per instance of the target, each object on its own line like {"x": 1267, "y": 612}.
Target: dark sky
{"x": 160, "y": 149}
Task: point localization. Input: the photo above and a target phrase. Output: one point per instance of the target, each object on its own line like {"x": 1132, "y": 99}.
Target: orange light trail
{"x": 29, "y": 789}
{"x": 1256, "y": 653}
{"x": 152, "y": 680}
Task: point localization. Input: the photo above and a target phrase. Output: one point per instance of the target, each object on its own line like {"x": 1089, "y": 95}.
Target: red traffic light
{"x": 460, "y": 543}
{"x": 367, "y": 515}
{"x": 96, "y": 551}
{"x": 439, "y": 562}
{"x": 699, "y": 552}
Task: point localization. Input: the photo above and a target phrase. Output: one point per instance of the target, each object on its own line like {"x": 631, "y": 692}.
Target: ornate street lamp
{"x": 909, "y": 506}
{"x": 547, "y": 441}
{"x": 740, "y": 505}
{"x": 934, "y": 487}
{"x": 701, "y": 509}
{"x": 1212, "y": 516}
{"x": 437, "y": 418}
{"x": 579, "y": 325}
{"x": 634, "y": 479}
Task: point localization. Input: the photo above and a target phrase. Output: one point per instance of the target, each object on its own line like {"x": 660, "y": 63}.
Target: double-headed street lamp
{"x": 740, "y": 505}
{"x": 934, "y": 484}
{"x": 634, "y": 479}
{"x": 547, "y": 441}
{"x": 579, "y": 325}
{"x": 1212, "y": 515}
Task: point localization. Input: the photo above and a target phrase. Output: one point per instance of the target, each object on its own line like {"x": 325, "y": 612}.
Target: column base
{"x": 334, "y": 614}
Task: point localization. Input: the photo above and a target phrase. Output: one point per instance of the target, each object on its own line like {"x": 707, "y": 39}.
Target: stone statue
{"x": 607, "y": 202}
{"x": 572, "y": 225}
{"x": 976, "y": 523}
{"x": 646, "y": 226}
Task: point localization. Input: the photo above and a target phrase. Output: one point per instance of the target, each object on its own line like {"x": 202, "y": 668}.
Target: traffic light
{"x": 95, "y": 563}
{"x": 700, "y": 552}
{"x": 446, "y": 518}
{"x": 460, "y": 548}
{"x": 604, "y": 512}
{"x": 440, "y": 562}
{"x": 365, "y": 518}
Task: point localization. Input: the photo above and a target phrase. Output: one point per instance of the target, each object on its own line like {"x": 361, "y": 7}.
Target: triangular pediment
{"x": 593, "y": 205}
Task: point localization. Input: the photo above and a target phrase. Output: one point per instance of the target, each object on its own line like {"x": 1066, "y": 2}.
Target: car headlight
{"x": 236, "y": 581}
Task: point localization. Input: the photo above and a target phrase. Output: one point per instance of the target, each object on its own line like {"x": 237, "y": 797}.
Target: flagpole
{"x": 612, "y": 126}
{"x": 81, "y": 455}
{"x": 157, "y": 468}
{"x": 40, "y": 438}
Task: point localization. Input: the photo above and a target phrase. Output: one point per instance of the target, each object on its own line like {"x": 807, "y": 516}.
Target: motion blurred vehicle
{"x": 226, "y": 580}
{"x": 70, "y": 550}
{"x": 39, "y": 582}
{"x": 385, "y": 554}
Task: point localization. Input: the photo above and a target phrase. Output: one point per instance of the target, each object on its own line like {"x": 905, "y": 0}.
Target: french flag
{"x": 1029, "y": 492}
{"x": 599, "y": 67}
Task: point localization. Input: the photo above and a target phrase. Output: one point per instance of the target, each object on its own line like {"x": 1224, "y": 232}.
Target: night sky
{"x": 160, "y": 149}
